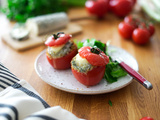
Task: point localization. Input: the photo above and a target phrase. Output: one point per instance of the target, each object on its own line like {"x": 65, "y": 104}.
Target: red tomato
{"x": 140, "y": 36}
{"x": 90, "y": 78}
{"x": 94, "y": 59}
{"x": 126, "y": 30}
{"x": 62, "y": 39}
{"x": 134, "y": 1}
{"x": 121, "y": 7}
{"x": 63, "y": 62}
{"x": 132, "y": 20}
{"x": 146, "y": 118}
{"x": 151, "y": 29}
{"x": 148, "y": 26}
{"x": 128, "y": 19}
{"x": 98, "y": 8}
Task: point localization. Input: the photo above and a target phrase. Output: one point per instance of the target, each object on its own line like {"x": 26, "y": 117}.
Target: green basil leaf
{"x": 110, "y": 103}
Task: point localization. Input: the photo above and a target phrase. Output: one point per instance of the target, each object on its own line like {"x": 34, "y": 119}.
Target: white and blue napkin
{"x": 20, "y": 101}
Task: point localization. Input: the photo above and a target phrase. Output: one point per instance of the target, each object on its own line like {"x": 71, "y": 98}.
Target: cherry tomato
{"x": 140, "y": 36}
{"x": 63, "y": 62}
{"x": 128, "y": 19}
{"x": 59, "y": 40}
{"x": 121, "y": 7}
{"x": 132, "y": 20}
{"x": 126, "y": 30}
{"x": 90, "y": 78}
{"x": 148, "y": 26}
{"x": 134, "y": 1}
{"x": 96, "y": 58}
{"x": 151, "y": 29}
{"x": 97, "y": 7}
{"x": 146, "y": 118}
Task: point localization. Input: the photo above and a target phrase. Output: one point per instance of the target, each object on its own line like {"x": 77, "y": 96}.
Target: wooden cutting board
{"x": 34, "y": 41}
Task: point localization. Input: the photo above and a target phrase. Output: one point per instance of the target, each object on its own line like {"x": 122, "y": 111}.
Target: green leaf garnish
{"x": 79, "y": 45}
{"x": 110, "y": 102}
{"x": 113, "y": 71}
{"x": 92, "y": 43}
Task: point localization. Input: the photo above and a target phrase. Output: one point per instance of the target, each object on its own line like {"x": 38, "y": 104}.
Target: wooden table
{"x": 130, "y": 103}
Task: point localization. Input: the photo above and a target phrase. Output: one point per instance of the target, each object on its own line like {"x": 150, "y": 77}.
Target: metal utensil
{"x": 134, "y": 73}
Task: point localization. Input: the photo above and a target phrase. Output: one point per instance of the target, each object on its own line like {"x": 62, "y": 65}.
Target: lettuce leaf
{"x": 113, "y": 71}
{"x": 92, "y": 43}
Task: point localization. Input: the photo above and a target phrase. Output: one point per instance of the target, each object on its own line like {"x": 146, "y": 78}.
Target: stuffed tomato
{"x": 61, "y": 49}
{"x": 88, "y": 66}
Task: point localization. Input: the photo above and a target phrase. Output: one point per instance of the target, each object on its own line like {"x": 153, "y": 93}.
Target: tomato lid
{"x": 58, "y": 39}
{"x": 96, "y": 59}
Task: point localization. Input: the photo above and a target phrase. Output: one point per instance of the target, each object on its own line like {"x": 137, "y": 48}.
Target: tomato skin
{"x": 90, "y": 78}
{"x": 134, "y": 1}
{"x": 94, "y": 59}
{"x": 140, "y": 36}
{"x": 63, "y": 62}
{"x": 126, "y": 30}
{"x": 146, "y": 118}
{"x": 121, "y": 7}
{"x": 151, "y": 29}
{"x": 148, "y": 26}
{"x": 98, "y": 8}
{"x": 132, "y": 20}
{"x": 128, "y": 19}
{"x": 98, "y": 60}
{"x": 64, "y": 38}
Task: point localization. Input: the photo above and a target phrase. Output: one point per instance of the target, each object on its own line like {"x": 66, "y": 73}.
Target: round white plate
{"x": 64, "y": 79}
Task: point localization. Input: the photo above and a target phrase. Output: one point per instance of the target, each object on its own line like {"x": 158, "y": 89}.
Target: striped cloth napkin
{"x": 20, "y": 101}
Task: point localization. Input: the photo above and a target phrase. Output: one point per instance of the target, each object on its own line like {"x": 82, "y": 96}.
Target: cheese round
{"x": 47, "y": 23}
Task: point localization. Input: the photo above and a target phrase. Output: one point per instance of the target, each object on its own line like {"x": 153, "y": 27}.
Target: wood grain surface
{"x": 130, "y": 103}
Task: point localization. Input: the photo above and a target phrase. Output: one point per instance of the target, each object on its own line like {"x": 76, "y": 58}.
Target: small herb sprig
{"x": 110, "y": 102}
{"x": 95, "y": 50}
{"x": 57, "y": 35}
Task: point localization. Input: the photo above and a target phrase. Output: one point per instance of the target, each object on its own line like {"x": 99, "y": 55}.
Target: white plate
{"x": 64, "y": 79}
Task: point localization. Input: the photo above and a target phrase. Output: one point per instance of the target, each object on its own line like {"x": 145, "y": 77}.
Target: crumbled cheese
{"x": 60, "y": 51}
{"x": 80, "y": 61}
{"x": 56, "y": 49}
{"x": 81, "y": 64}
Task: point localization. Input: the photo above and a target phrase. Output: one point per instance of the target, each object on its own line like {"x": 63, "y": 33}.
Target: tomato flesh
{"x": 90, "y": 78}
{"x": 63, "y": 62}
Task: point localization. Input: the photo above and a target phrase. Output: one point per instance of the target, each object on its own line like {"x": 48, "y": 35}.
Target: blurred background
{"x": 20, "y": 10}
